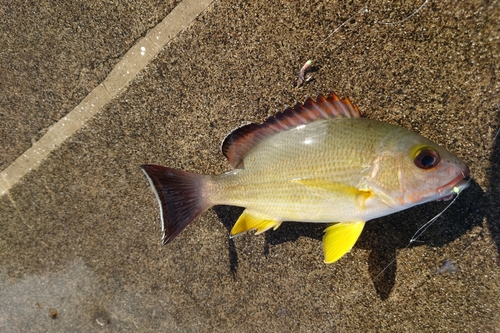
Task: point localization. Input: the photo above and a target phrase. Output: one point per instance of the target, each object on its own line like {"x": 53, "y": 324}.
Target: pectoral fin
{"x": 333, "y": 191}
{"x": 340, "y": 238}
{"x": 250, "y": 220}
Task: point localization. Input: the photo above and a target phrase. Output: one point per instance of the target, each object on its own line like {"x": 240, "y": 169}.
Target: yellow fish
{"x": 316, "y": 162}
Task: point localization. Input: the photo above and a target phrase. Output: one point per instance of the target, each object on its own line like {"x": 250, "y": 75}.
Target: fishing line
{"x": 420, "y": 232}
{"x": 301, "y": 79}
{"x": 406, "y": 18}
{"x": 362, "y": 10}
{"x": 498, "y": 131}
{"x": 427, "y": 224}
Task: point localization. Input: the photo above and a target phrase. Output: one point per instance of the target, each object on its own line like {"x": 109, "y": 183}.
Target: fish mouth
{"x": 455, "y": 186}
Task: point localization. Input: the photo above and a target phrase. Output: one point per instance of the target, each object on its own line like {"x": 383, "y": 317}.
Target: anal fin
{"x": 339, "y": 239}
{"x": 249, "y": 220}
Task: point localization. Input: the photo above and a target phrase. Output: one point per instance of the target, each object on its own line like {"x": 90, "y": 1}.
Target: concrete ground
{"x": 80, "y": 245}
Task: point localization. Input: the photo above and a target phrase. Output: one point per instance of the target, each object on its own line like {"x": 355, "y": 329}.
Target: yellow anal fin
{"x": 250, "y": 220}
{"x": 340, "y": 238}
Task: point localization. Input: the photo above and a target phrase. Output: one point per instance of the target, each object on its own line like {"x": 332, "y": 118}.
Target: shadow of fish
{"x": 316, "y": 162}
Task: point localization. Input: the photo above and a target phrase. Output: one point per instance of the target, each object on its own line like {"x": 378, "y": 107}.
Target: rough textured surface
{"x": 53, "y": 54}
{"x": 80, "y": 236}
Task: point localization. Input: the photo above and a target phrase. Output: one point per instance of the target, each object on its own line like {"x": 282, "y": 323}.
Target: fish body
{"x": 318, "y": 162}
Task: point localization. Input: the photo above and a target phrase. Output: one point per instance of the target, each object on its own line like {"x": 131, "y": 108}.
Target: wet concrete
{"x": 80, "y": 235}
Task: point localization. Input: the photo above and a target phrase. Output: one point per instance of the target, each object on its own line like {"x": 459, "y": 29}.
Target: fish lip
{"x": 442, "y": 193}
{"x": 461, "y": 182}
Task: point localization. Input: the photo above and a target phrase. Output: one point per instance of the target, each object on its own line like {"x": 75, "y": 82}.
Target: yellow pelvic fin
{"x": 340, "y": 238}
{"x": 359, "y": 195}
{"x": 250, "y": 220}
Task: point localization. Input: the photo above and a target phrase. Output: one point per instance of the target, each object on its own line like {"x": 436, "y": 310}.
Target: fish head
{"x": 410, "y": 170}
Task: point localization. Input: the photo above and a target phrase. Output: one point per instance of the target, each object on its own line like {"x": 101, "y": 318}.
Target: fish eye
{"x": 427, "y": 158}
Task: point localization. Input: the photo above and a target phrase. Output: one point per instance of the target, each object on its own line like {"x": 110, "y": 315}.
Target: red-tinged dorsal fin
{"x": 179, "y": 195}
{"x": 239, "y": 142}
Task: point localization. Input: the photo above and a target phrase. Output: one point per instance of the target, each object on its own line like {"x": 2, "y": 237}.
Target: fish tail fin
{"x": 180, "y": 196}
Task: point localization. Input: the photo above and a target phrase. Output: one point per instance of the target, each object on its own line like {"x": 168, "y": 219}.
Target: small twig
{"x": 303, "y": 72}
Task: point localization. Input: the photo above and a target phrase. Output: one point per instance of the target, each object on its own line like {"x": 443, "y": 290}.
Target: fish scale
{"x": 325, "y": 152}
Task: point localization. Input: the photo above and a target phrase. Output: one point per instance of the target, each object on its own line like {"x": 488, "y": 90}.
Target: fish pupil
{"x": 428, "y": 161}
{"x": 427, "y": 158}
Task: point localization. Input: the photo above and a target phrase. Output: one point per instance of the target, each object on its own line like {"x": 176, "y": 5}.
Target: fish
{"x": 319, "y": 162}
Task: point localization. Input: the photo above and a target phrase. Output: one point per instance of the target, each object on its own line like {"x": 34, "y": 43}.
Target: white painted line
{"x": 118, "y": 79}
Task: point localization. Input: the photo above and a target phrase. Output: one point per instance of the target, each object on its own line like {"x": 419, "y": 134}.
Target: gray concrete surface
{"x": 80, "y": 237}
{"x": 53, "y": 54}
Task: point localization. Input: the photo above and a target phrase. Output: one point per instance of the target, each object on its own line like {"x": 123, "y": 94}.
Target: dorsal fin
{"x": 237, "y": 144}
